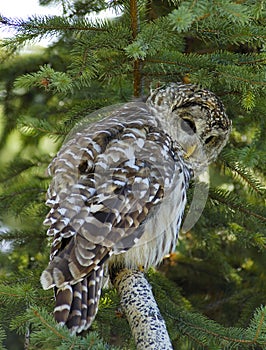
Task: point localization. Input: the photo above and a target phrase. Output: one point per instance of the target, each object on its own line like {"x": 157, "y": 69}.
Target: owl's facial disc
{"x": 200, "y": 139}
{"x": 195, "y": 118}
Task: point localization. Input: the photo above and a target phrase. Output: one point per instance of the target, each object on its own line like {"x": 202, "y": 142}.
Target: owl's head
{"x": 195, "y": 118}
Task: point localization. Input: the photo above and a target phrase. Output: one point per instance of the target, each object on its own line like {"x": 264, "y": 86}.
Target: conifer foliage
{"x": 212, "y": 291}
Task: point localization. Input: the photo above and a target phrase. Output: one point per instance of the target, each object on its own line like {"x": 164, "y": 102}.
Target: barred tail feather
{"x": 74, "y": 318}
{"x": 84, "y": 305}
{"x": 63, "y": 302}
{"x": 94, "y": 292}
{"x": 77, "y": 305}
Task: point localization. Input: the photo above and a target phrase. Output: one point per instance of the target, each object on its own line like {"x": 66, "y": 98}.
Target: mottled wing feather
{"x": 105, "y": 189}
{"x": 107, "y": 180}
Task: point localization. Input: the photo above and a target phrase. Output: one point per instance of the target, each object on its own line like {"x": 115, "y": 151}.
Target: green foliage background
{"x": 212, "y": 291}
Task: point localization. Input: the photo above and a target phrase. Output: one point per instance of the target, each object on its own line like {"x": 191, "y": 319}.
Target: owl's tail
{"x": 77, "y": 304}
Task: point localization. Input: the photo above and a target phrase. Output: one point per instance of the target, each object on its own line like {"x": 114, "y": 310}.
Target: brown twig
{"x": 136, "y": 63}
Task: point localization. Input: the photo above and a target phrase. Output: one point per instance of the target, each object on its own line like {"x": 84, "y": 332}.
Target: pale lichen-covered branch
{"x": 143, "y": 315}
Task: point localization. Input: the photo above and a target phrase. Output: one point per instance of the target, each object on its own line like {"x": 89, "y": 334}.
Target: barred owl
{"x": 118, "y": 191}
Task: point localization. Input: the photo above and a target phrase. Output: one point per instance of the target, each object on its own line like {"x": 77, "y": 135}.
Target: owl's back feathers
{"x": 109, "y": 182}
{"x": 118, "y": 191}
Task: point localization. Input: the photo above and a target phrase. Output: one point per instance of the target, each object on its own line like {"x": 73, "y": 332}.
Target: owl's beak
{"x": 190, "y": 150}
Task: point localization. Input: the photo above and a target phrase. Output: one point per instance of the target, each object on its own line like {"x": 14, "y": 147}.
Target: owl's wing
{"x": 106, "y": 182}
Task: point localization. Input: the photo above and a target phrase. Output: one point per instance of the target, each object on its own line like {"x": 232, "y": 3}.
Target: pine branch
{"x": 237, "y": 13}
{"x": 242, "y": 79}
{"x": 47, "y": 325}
{"x": 252, "y": 336}
{"x": 16, "y": 198}
{"x": 230, "y": 201}
{"x": 54, "y": 337}
{"x": 198, "y": 328}
{"x": 15, "y": 168}
{"x": 260, "y": 316}
{"x": 23, "y": 293}
{"x": 2, "y": 338}
{"x": 39, "y": 27}
{"x": 241, "y": 172}
{"x": 36, "y": 25}
{"x": 47, "y": 78}
{"x": 40, "y": 127}
{"x": 253, "y": 183}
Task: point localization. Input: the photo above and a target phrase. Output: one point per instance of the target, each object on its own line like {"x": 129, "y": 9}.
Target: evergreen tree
{"x": 211, "y": 292}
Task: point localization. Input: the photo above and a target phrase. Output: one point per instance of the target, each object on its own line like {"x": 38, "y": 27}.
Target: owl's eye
{"x": 211, "y": 139}
{"x": 188, "y": 126}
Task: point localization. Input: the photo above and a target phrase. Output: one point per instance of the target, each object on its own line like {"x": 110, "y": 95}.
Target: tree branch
{"x": 143, "y": 315}
{"x": 136, "y": 63}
